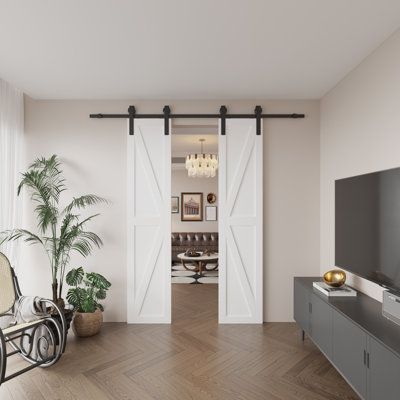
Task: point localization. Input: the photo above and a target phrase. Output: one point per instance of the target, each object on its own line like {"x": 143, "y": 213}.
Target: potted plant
{"x": 86, "y": 291}
{"x": 61, "y": 231}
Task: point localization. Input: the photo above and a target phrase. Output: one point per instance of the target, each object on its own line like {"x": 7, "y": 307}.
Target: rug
{"x": 180, "y": 275}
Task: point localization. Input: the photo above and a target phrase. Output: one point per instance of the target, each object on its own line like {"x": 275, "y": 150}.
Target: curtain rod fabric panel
{"x": 11, "y": 138}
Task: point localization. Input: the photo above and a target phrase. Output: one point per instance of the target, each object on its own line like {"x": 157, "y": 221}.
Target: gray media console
{"x": 352, "y": 333}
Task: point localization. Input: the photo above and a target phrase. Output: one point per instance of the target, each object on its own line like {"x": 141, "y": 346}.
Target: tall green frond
{"x": 83, "y": 247}
{"x": 45, "y": 179}
{"x": 36, "y": 182}
{"x": 46, "y": 163}
{"x": 15, "y": 234}
{"x": 47, "y": 215}
{"x": 83, "y": 222}
{"x": 66, "y": 224}
{"x": 92, "y": 238}
{"x": 84, "y": 201}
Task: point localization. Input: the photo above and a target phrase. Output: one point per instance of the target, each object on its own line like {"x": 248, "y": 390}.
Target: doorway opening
{"x": 194, "y": 222}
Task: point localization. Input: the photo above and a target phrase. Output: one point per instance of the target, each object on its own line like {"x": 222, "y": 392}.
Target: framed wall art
{"x": 191, "y": 206}
{"x": 211, "y": 213}
{"x": 175, "y": 204}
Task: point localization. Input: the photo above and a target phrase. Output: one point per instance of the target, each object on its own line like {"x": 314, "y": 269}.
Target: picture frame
{"x": 191, "y": 206}
{"x": 174, "y": 204}
{"x": 211, "y": 213}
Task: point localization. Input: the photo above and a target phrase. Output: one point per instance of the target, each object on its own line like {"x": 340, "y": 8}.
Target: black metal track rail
{"x": 167, "y": 115}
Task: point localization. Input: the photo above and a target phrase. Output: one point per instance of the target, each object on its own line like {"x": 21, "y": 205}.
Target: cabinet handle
{"x": 310, "y": 308}
{"x": 367, "y": 360}
{"x": 365, "y": 357}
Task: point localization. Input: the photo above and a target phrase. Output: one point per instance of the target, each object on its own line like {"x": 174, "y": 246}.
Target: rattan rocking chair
{"x": 40, "y": 342}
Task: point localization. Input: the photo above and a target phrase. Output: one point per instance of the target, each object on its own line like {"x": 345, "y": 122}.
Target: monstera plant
{"x": 85, "y": 294}
{"x": 61, "y": 231}
{"x": 87, "y": 290}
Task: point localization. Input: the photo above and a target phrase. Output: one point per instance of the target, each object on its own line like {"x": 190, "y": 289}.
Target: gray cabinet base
{"x": 352, "y": 333}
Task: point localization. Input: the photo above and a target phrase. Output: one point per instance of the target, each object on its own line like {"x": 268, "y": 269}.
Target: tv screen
{"x": 367, "y": 226}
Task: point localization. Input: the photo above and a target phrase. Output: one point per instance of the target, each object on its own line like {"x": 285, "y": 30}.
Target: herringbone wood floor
{"x": 194, "y": 358}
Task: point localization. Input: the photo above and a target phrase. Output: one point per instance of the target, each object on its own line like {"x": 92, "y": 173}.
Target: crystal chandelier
{"x": 202, "y": 165}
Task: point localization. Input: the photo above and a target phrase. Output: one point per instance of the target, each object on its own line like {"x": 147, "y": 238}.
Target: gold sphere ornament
{"x": 335, "y": 277}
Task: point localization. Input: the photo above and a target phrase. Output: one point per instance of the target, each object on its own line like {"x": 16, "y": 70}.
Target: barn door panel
{"x": 240, "y": 223}
{"x": 149, "y": 223}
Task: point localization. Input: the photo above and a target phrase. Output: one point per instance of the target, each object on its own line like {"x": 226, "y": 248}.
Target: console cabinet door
{"x": 321, "y": 324}
{"x": 383, "y": 373}
{"x": 348, "y": 346}
{"x": 302, "y": 306}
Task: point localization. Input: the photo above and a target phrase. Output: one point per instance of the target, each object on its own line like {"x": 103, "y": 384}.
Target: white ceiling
{"x": 188, "y": 49}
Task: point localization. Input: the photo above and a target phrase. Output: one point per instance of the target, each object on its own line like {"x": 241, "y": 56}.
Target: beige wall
{"x": 94, "y": 153}
{"x": 180, "y": 182}
{"x": 360, "y": 133}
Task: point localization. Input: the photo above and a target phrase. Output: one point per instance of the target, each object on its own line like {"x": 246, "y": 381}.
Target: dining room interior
{"x": 194, "y": 219}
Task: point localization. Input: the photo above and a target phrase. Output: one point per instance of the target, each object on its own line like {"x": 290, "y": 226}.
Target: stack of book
{"x": 342, "y": 291}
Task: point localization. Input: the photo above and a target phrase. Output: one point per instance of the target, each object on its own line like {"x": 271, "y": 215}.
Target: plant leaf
{"x": 98, "y": 281}
{"x": 75, "y": 276}
{"x": 76, "y": 297}
{"x": 89, "y": 304}
{"x": 84, "y": 201}
{"x": 15, "y": 234}
{"x": 101, "y": 294}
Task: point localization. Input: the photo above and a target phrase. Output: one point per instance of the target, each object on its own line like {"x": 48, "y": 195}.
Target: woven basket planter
{"x": 87, "y": 324}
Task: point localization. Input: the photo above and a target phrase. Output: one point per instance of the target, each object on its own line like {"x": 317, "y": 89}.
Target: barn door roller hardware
{"x": 223, "y": 115}
{"x": 223, "y": 111}
{"x": 258, "y": 114}
{"x": 167, "y": 113}
{"x": 131, "y": 116}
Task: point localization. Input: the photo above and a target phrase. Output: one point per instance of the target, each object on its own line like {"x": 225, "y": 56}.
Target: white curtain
{"x": 11, "y": 139}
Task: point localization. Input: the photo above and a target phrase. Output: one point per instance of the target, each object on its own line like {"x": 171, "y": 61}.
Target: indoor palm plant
{"x": 86, "y": 292}
{"x": 61, "y": 230}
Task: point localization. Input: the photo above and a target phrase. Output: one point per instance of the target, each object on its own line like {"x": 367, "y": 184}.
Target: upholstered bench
{"x": 200, "y": 241}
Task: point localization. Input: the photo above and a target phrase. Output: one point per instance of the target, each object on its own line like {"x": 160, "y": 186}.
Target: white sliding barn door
{"x": 149, "y": 223}
{"x": 240, "y": 223}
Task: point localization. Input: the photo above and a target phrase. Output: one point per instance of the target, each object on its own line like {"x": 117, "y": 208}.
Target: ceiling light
{"x": 202, "y": 165}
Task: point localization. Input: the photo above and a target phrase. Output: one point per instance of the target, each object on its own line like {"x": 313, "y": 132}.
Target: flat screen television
{"x": 367, "y": 226}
